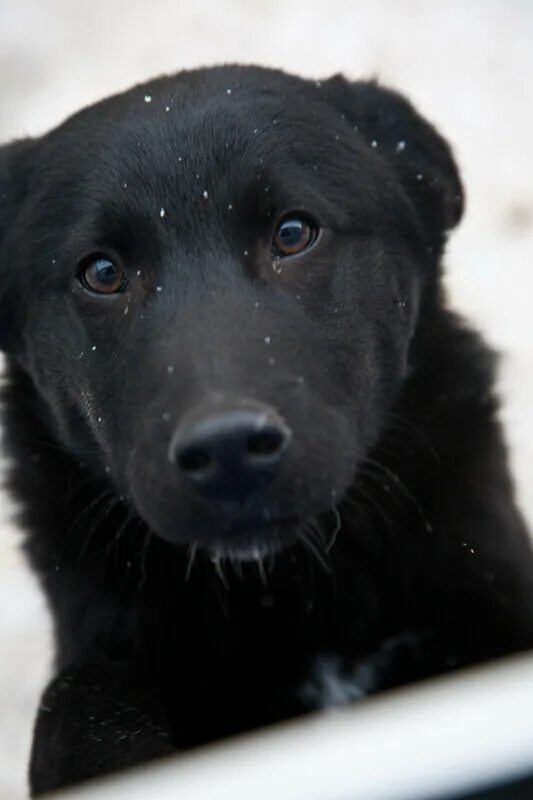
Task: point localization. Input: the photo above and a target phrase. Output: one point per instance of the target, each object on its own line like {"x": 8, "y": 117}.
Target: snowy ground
{"x": 467, "y": 65}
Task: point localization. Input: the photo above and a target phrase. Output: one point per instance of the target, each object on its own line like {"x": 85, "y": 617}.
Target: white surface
{"x": 467, "y": 65}
{"x": 450, "y": 735}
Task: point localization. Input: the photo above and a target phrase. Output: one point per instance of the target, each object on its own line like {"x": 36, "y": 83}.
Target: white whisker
{"x": 338, "y": 525}
{"x": 193, "y": 549}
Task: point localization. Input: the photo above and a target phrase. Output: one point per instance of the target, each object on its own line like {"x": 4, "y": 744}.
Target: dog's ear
{"x": 420, "y": 157}
{"x": 15, "y": 170}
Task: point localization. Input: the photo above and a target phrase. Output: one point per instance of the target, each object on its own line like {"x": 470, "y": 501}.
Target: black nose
{"x": 231, "y": 453}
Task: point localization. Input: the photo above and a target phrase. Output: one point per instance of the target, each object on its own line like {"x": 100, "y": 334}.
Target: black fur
{"x": 388, "y": 548}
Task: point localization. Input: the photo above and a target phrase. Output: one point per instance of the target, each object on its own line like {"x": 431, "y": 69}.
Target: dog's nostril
{"x": 194, "y": 460}
{"x": 265, "y": 443}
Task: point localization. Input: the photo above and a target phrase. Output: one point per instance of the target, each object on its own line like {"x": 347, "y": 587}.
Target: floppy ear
{"x": 421, "y": 158}
{"x": 15, "y": 173}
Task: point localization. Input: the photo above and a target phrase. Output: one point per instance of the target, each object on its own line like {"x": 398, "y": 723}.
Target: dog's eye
{"x": 293, "y": 235}
{"x": 101, "y": 275}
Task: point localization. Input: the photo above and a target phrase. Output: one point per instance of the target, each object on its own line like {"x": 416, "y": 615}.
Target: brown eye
{"x": 101, "y": 275}
{"x": 293, "y": 236}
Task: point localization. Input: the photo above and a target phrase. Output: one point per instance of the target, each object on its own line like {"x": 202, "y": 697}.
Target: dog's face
{"x": 213, "y": 282}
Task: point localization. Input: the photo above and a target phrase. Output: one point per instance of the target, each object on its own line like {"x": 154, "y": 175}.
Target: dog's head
{"x": 213, "y": 281}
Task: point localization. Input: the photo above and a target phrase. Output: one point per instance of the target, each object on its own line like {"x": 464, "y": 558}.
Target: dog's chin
{"x": 254, "y": 545}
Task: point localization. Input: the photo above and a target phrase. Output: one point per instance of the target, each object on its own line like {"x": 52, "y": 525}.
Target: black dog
{"x": 257, "y": 457}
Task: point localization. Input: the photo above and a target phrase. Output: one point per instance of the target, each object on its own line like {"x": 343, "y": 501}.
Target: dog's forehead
{"x": 187, "y": 150}
{"x": 175, "y": 128}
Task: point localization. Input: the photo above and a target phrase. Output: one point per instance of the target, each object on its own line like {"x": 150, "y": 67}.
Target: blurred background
{"x": 467, "y": 65}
